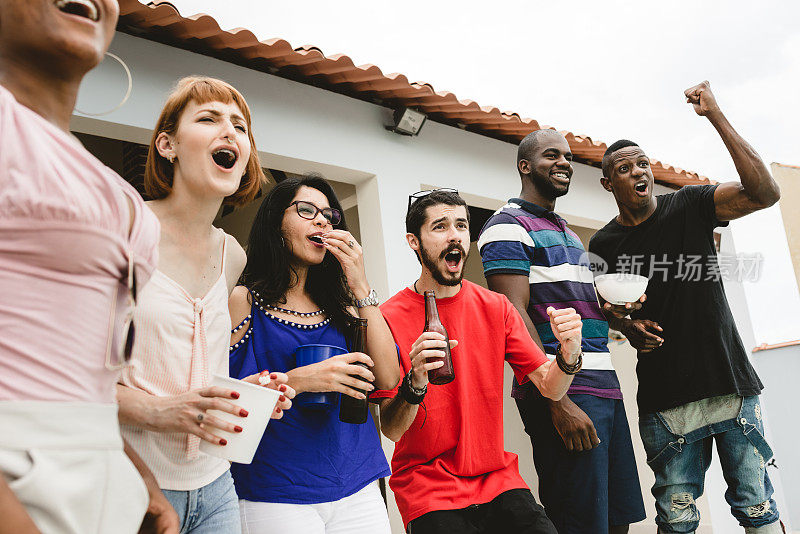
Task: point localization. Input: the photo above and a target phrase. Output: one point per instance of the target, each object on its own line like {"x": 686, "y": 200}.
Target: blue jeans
{"x": 212, "y": 509}
{"x": 680, "y": 463}
{"x": 591, "y": 490}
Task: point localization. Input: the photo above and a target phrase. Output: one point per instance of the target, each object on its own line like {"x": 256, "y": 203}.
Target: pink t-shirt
{"x": 65, "y": 248}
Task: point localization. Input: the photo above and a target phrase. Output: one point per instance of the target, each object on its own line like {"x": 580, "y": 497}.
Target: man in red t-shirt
{"x": 449, "y": 470}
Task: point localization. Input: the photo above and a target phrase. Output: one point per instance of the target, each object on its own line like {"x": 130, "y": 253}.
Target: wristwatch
{"x": 370, "y": 300}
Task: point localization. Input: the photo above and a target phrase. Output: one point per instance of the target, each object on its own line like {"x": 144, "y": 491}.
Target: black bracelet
{"x": 409, "y": 393}
{"x": 567, "y": 368}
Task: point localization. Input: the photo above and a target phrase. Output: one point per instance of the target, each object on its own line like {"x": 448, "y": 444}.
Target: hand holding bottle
{"x": 429, "y": 345}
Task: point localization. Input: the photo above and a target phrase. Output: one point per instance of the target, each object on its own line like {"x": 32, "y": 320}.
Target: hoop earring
{"x": 127, "y": 92}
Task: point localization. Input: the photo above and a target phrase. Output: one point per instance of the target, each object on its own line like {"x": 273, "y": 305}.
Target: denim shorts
{"x": 212, "y": 509}
{"x": 680, "y": 462}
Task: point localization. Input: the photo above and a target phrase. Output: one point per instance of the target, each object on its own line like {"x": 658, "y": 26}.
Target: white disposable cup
{"x": 259, "y": 403}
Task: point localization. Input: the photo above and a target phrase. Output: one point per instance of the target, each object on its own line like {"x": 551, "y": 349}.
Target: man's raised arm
{"x": 549, "y": 378}
{"x": 576, "y": 429}
{"x": 757, "y": 189}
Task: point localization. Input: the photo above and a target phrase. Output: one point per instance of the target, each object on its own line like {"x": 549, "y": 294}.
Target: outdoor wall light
{"x": 407, "y": 121}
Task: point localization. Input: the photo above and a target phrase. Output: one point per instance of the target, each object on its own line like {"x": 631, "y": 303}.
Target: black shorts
{"x": 514, "y": 511}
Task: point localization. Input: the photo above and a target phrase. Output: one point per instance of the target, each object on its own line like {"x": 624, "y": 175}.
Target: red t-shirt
{"x": 452, "y": 455}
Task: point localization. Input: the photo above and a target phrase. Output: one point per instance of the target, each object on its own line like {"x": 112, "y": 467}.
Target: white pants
{"x": 360, "y": 513}
{"x": 65, "y": 463}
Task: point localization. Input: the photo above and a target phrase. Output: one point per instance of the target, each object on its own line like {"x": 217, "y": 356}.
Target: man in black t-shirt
{"x": 696, "y": 383}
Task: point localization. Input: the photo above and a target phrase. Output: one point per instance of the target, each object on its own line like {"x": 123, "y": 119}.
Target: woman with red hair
{"x": 202, "y": 155}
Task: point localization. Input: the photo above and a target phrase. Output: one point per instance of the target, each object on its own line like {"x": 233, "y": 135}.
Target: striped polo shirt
{"x": 526, "y": 239}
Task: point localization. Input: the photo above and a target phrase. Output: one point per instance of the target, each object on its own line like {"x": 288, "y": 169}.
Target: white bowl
{"x": 621, "y": 288}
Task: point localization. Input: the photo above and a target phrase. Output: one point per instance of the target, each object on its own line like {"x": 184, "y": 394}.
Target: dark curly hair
{"x": 268, "y": 270}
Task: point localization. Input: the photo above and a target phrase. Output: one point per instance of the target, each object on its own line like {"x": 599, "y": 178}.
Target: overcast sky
{"x": 608, "y": 69}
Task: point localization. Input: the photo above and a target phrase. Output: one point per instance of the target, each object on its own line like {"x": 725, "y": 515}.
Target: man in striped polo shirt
{"x": 582, "y": 447}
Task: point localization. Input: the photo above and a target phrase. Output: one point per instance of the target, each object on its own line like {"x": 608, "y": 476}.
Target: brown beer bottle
{"x": 444, "y": 374}
{"x": 355, "y": 410}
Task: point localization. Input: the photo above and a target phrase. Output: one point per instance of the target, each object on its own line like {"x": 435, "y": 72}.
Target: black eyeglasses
{"x": 422, "y": 194}
{"x": 309, "y": 211}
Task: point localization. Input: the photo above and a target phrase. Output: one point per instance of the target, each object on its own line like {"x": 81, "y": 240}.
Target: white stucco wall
{"x": 299, "y": 128}
{"x": 767, "y": 310}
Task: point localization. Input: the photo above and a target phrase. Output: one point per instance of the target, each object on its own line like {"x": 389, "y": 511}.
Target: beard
{"x": 443, "y": 277}
{"x": 548, "y": 189}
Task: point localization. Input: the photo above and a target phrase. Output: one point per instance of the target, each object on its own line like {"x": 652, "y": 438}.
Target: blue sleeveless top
{"x": 308, "y": 456}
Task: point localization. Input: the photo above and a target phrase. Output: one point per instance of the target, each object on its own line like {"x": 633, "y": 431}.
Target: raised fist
{"x": 701, "y": 98}
{"x": 566, "y": 325}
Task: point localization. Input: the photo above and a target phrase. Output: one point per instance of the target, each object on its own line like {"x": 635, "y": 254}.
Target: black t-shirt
{"x": 702, "y": 355}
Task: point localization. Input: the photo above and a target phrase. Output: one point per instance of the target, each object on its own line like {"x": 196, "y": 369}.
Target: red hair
{"x": 158, "y": 173}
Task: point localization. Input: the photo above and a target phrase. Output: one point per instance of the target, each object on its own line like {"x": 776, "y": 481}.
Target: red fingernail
{"x": 274, "y": 376}
{"x": 262, "y": 373}
{"x": 237, "y": 429}
{"x": 282, "y": 388}
{"x": 223, "y": 442}
{"x": 243, "y": 412}
{"x": 282, "y": 398}
{"x": 234, "y": 395}
{"x": 277, "y": 410}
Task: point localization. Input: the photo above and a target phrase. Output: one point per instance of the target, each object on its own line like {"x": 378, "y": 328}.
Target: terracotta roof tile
{"x": 765, "y": 346}
{"x": 161, "y": 21}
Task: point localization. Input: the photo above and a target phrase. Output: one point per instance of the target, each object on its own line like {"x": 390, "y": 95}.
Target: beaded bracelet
{"x": 409, "y": 393}
{"x": 567, "y": 368}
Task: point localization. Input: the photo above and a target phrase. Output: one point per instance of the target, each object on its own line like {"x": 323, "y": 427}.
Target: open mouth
{"x": 316, "y": 239}
{"x": 82, "y": 8}
{"x": 562, "y": 177}
{"x": 453, "y": 260}
{"x": 641, "y": 187}
{"x": 225, "y": 158}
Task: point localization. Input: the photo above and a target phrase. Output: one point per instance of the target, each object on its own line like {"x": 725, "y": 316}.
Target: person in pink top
{"x": 76, "y": 242}
{"x": 202, "y": 155}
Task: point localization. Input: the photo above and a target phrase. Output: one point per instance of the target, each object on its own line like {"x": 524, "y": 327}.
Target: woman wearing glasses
{"x": 202, "y": 155}
{"x": 305, "y": 284}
